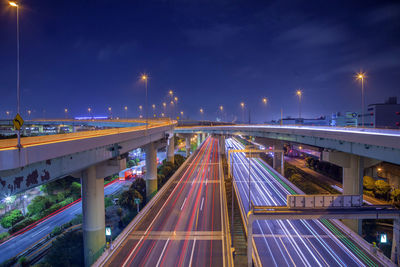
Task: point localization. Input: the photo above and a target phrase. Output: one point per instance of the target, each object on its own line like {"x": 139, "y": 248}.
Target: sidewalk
{"x": 299, "y": 163}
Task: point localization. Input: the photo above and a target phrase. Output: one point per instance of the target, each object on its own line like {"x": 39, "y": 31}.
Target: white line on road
{"x": 183, "y": 203}
{"x": 201, "y": 206}
{"x": 206, "y": 180}
{"x": 162, "y": 253}
{"x": 191, "y": 256}
{"x": 40, "y": 231}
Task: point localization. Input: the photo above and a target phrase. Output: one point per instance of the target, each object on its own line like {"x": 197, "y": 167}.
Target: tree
{"x": 38, "y": 204}
{"x": 66, "y": 250}
{"x": 140, "y": 185}
{"x": 127, "y": 199}
{"x": 369, "y": 183}
{"x": 296, "y": 178}
{"x": 76, "y": 190}
{"x": 382, "y": 189}
{"x": 395, "y": 195}
{"x": 11, "y": 218}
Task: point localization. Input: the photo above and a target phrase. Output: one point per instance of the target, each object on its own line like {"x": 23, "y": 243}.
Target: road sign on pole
{"x": 108, "y": 231}
{"x": 18, "y": 122}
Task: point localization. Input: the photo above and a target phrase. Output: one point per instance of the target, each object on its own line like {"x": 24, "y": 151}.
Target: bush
{"x": 66, "y": 201}
{"x": 4, "y": 235}
{"x": 60, "y": 196}
{"x": 108, "y": 202}
{"x": 369, "y": 193}
{"x": 66, "y": 250}
{"x": 11, "y": 218}
{"x": 369, "y": 183}
{"x": 296, "y": 178}
{"x": 76, "y": 190}
{"x": 382, "y": 189}
{"x": 56, "y": 231}
{"x": 22, "y": 224}
{"x": 395, "y": 196}
{"x": 38, "y": 204}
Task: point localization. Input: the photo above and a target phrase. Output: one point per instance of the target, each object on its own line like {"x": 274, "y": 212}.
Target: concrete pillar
{"x": 395, "y": 242}
{"x": 278, "y": 160}
{"x": 94, "y": 238}
{"x": 353, "y": 173}
{"x": 222, "y": 144}
{"x": 203, "y": 137}
{"x": 151, "y": 170}
{"x": 198, "y": 140}
{"x": 171, "y": 149}
{"x": 188, "y": 146}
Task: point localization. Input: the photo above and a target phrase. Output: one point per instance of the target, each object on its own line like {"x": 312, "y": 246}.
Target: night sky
{"x": 80, "y": 54}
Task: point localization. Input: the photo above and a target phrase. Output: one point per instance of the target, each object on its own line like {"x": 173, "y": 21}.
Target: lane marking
{"x": 191, "y": 256}
{"x": 183, "y": 203}
{"x": 40, "y": 231}
{"x": 201, "y": 206}
{"x": 162, "y": 253}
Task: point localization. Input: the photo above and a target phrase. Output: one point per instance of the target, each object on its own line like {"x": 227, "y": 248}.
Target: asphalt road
{"x": 19, "y": 243}
{"x": 289, "y": 242}
{"x": 184, "y": 228}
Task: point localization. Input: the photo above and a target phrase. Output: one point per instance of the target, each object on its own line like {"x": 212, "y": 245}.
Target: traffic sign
{"x": 108, "y": 231}
{"x": 383, "y": 238}
{"x": 137, "y": 201}
{"x": 18, "y": 121}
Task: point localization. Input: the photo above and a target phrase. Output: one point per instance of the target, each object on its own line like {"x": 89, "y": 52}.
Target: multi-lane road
{"x": 21, "y": 242}
{"x": 185, "y": 227}
{"x": 289, "y": 242}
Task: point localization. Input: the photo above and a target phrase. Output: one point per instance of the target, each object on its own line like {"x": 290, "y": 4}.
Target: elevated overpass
{"x": 90, "y": 155}
{"x": 354, "y": 149}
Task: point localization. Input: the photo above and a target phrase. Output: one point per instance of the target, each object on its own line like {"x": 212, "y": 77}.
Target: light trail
{"x": 293, "y": 248}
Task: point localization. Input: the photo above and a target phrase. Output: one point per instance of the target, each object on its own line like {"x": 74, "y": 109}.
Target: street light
{"x": 66, "y": 113}
{"x": 8, "y": 113}
{"x": 299, "y": 93}
{"x": 202, "y": 112}
{"x": 145, "y": 78}
{"x": 89, "y": 110}
{"x": 110, "y": 111}
{"x": 29, "y": 114}
{"x": 126, "y": 112}
{"x": 14, "y": 4}
{"x": 242, "y": 106}
{"x": 181, "y": 114}
{"x": 361, "y": 76}
{"x": 265, "y": 100}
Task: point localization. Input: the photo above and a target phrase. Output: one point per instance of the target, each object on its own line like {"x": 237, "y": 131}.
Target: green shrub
{"x": 76, "y": 190}
{"x": 369, "y": 183}
{"x": 395, "y": 195}
{"x": 66, "y": 201}
{"x": 108, "y": 202}
{"x": 11, "y": 218}
{"x": 39, "y": 204}
{"x": 66, "y": 250}
{"x": 56, "y": 231}
{"x": 22, "y": 224}
{"x": 60, "y": 196}
{"x": 369, "y": 193}
{"x": 4, "y": 235}
{"x": 382, "y": 189}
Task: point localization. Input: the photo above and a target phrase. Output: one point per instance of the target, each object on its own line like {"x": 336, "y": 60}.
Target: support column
{"x": 353, "y": 172}
{"x": 353, "y": 185}
{"x": 94, "y": 238}
{"x": 171, "y": 150}
{"x": 222, "y": 144}
{"x": 278, "y": 159}
{"x": 151, "y": 170}
{"x": 395, "y": 242}
{"x": 188, "y": 146}
{"x": 204, "y": 136}
{"x": 198, "y": 140}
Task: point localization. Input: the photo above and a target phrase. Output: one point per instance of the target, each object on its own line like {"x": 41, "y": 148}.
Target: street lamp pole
{"x": 144, "y": 78}
{"x": 299, "y": 94}
{"x": 14, "y": 4}
{"x": 361, "y": 76}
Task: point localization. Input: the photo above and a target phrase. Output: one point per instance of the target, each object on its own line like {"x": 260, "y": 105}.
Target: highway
{"x": 185, "y": 226}
{"x": 21, "y": 242}
{"x": 289, "y": 242}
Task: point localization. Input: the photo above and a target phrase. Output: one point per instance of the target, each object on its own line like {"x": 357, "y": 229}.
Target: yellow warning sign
{"x": 18, "y": 122}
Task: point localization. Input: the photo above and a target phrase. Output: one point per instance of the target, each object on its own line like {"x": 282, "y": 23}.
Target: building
{"x": 384, "y": 115}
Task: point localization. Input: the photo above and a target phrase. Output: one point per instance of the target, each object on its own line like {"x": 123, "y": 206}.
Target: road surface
{"x": 289, "y": 242}
{"x": 184, "y": 228}
{"x": 21, "y": 242}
